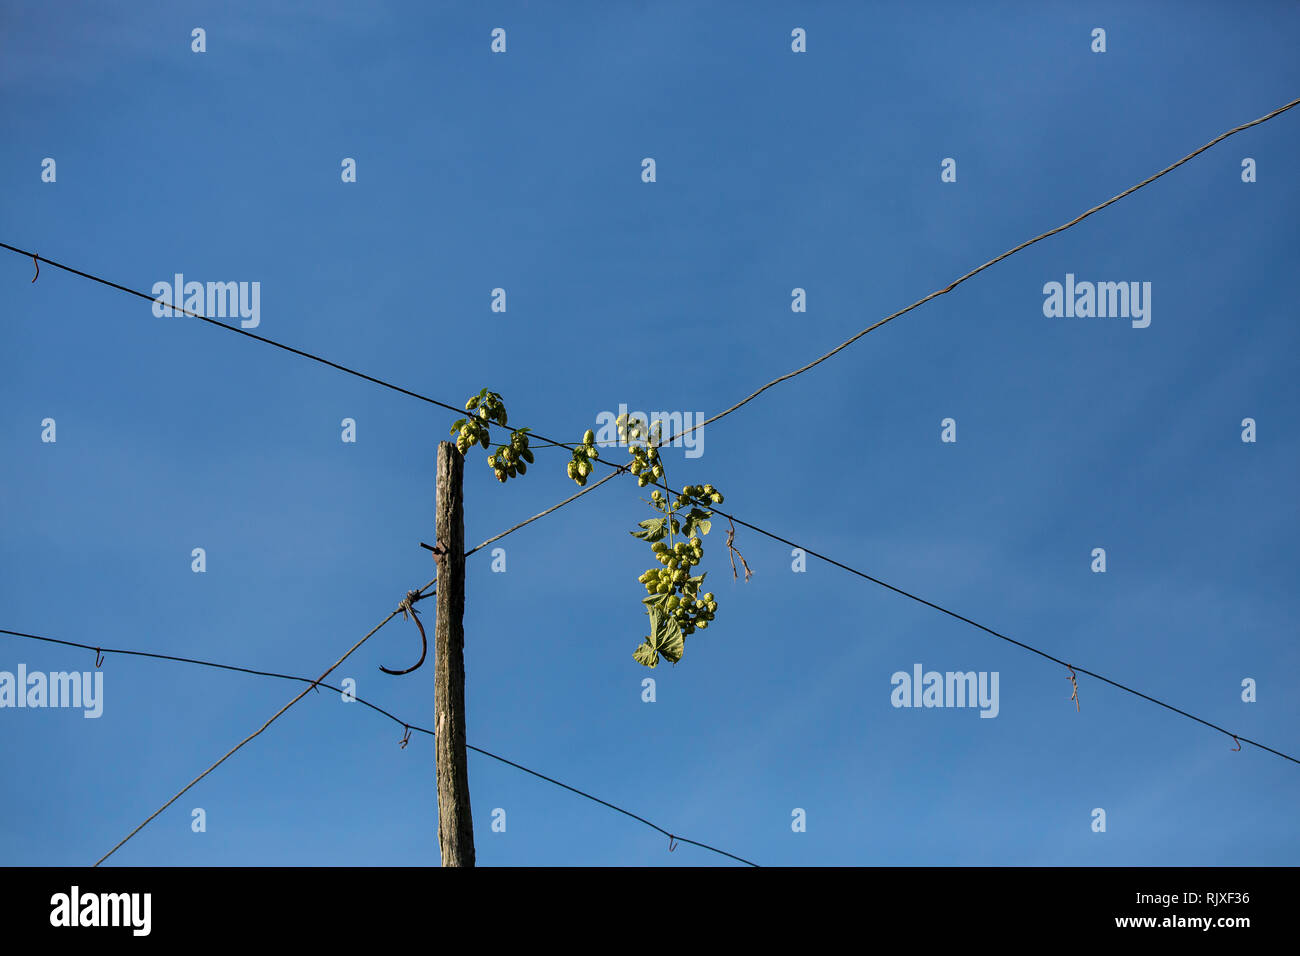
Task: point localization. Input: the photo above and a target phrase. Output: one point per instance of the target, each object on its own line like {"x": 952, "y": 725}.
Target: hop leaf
{"x": 665, "y": 640}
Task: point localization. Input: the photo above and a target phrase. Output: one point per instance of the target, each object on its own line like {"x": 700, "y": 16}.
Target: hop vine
{"x": 676, "y": 602}
{"x": 510, "y": 460}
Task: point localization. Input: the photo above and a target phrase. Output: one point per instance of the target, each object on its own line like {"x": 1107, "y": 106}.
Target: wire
{"x": 1011, "y": 640}
{"x": 543, "y": 514}
{"x": 36, "y": 258}
{"x": 919, "y": 600}
{"x": 262, "y": 338}
{"x": 424, "y": 398}
{"x": 255, "y": 733}
{"x": 1010, "y": 252}
{"x": 397, "y": 720}
{"x": 776, "y": 381}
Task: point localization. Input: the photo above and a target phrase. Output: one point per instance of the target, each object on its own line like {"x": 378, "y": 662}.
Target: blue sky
{"x": 775, "y": 170}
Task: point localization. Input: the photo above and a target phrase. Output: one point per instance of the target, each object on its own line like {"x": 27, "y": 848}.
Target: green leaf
{"x": 645, "y": 654}
{"x": 704, "y": 526}
{"x": 666, "y": 636}
{"x": 654, "y": 529}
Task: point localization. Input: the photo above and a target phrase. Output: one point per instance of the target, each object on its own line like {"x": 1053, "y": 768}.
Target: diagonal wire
{"x": 404, "y": 391}
{"x": 38, "y": 259}
{"x": 543, "y": 514}
{"x": 998, "y": 634}
{"x": 776, "y": 381}
{"x": 1010, "y": 252}
{"x": 255, "y": 733}
{"x": 393, "y": 717}
{"x": 260, "y": 338}
{"x": 424, "y": 398}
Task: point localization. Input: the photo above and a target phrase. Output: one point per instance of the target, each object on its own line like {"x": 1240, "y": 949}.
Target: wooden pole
{"x": 455, "y": 824}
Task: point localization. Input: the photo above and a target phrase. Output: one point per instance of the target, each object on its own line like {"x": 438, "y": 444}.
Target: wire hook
{"x": 408, "y": 610}
{"x": 407, "y": 739}
{"x": 99, "y": 658}
{"x": 1075, "y": 684}
{"x": 1237, "y": 742}
{"x": 672, "y": 843}
{"x": 36, "y": 262}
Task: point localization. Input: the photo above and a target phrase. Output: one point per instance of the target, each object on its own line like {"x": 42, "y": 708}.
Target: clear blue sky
{"x": 775, "y": 170}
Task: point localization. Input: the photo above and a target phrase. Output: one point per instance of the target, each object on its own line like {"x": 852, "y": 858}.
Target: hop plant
{"x": 509, "y": 460}
{"x": 583, "y": 456}
{"x": 674, "y": 601}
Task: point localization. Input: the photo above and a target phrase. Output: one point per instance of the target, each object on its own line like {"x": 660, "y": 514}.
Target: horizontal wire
{"x": 622, "y": 468}
{"x": 393, "y": 717}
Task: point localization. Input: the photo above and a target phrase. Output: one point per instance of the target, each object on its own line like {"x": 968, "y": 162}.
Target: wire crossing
{"x": 377, "y": 709}
{"x": 753, "y": 527}
{"x": 37, "y": 260}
